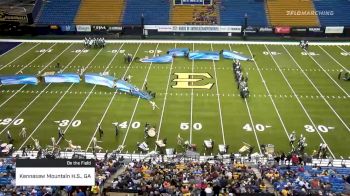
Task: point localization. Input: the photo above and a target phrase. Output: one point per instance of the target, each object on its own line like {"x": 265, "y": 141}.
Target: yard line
{"x": 56, "y": 104}
{"x": 42, "y": 91}
{"x": 328, "y": 75}
{"x": 301, "y": 104}
{"x": 138, "y": 99}
{"x": 114, "y": 94}
{"x": 334, "y": 58}
{"x": 253, "y": 125}
{"x": 219, "y": 103}
{"x": 87, "y": 97}
{"x": 39, "y": 71}
{"x": 11, "y": 49}
{"x": 165, "y": 97}
{"x": 269, "y": 94}
{"x": 317, "y": 90}
{"x": 19, "y": 56}
{"x": 191, "y": 120}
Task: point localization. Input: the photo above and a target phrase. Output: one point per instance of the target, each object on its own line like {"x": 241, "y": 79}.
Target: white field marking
{"x": 33, "y": 59}
{"x": 41, "y": 92}
{"x": 164, "y": 102}
{"x": 8, "y": 99}
{"x": 219, "y": 103}
{"x": 191, "y": 117}
{"x": 301, "y": 104}
{"x": 112, "y": 98}
{"x": 328, "y": 75}
{"x": 269, "y": 95}
{"x": 11, "y": 49}
{"x": 88, "y": 96}
{"x": 138, "y": 99}
{"x": 335, "y": 60}
{"x": 253, "y": 125}
{"x": 19, "y": 56}
{"x": 59, "y": 100}
{"x": 182, "y": 42}
{"x": 281, "y": 96}
{"x": 319, "y": 92}
{"x": 342, "y": 49}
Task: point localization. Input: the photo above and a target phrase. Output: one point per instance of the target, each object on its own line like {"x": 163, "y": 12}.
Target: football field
{"x": 290, "y": 90}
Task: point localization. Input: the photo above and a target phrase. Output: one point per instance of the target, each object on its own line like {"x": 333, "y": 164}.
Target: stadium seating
{"x": 201, "y": 15}
{"x": 154, "y": 11}
{"x": 233, "y": 11}
{"x": 58, "y": 12}
{"x": 340, "y": 9}
{"x": 280, "y": 15}
{"x": 101, "y": 12}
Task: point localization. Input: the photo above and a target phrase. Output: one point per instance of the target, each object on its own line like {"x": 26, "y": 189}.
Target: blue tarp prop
{"x": 98, "y": 79}
{"x": 178, "y": 51}
{"x": 19, "y": 79}
{"x": 204, "y": 55}
{"x": 124, "y": 86}
{"x": 62, "y": 77}
{"x": 158, "y": 59}
{"x": 235, "y": 55}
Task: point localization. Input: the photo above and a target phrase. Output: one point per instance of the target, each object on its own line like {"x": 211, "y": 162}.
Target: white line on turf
{"x": 41, "y": 92}
{"x": 301, "y": 104}
{"x": 319, "y": 92}
{"x": 269, "y": 95}
{"x": 138, "y": 99}
{"x": 253, "y": 125}
{"x": 59, "y": 100}
{"x": 3, "y": 103}
{"x": 41, "y": 54}
{"x": 19, "y": 56}
{"x": 335, "y": 60}
{"x": 87, "y": 97}
{"x": 112, "y": 98}
{"x": 330, "y": 77}
{"x": 219, "y": 103}
{"x": 191, "y": 120}
{"x": 164, "y": 102}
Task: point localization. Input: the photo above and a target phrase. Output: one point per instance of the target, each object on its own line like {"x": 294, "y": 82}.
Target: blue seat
{"x": 155, "y": 12}
{"x": 232, "y": 12}
{"x": 58, "y": 12}
{"x": 335, "y": 12}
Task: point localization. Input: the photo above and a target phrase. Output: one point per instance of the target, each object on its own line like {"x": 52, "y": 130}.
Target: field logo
{"x": 187, "y": 80}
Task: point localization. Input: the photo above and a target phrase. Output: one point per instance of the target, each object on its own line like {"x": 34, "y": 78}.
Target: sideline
{"x": 183, "y": 42}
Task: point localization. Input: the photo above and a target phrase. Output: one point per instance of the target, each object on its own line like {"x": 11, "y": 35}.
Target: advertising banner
{"x": 83, "y": 28}
{"x": 337, "y": 30}
{"x": 194, "y": 28}
{"x": 265, "y": 30}
{"x": 67, "y": 27}
{"x": 282, "y": 30}
{"x": 316, "y": 30}
{"x": 115, "y": 28}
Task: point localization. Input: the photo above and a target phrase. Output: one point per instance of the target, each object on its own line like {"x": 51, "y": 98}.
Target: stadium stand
{"x": 58, "y": 12}
{"x": 287, "y": 13}
{"x": 100, "y": 12}
{"x": 333, "y": 13}
{"x": 155, "y": 12}
{"x": 197, "y": 15}
{"x": 233, "y": 12}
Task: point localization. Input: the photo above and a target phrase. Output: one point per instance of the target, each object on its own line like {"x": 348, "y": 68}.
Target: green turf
{"x": 221, "y": 117}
